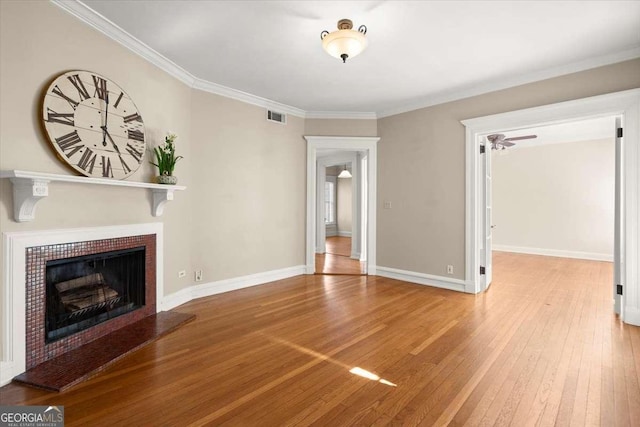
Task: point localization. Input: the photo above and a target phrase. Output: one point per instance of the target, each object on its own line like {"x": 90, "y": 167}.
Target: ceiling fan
{"x": 499, "y": 142}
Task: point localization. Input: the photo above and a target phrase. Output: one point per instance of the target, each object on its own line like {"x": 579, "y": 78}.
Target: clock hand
{"x": 106, "y": 109}
{"x": 106, "y": 118}
{"x": 104, "y": 128}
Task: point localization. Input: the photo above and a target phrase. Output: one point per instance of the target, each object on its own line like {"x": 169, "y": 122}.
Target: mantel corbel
{"x": 27, "y": 192}
{"x": 160, "y": 198}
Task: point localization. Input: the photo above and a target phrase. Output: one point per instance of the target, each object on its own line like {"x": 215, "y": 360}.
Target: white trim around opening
{"x": 625, "y": 104}
{"x": 367, "y": 146}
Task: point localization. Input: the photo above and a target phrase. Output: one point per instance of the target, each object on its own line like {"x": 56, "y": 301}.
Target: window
{"x": 330, "y": 200}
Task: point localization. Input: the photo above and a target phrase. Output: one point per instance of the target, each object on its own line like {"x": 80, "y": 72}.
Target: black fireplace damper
{"x": 84, "y": 291}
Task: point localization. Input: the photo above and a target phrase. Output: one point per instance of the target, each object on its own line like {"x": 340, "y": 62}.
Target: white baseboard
{"x": 168, "y": 302}
{"x": 176, "y": 299}
{"x": 7, "y": 372}
{"x": 554, "y": 252}
{"x": 632, "y": 316}
{"x": 212, "y": 288}
{"x": 344, "y": 233}
{"x": 422, "y": 278}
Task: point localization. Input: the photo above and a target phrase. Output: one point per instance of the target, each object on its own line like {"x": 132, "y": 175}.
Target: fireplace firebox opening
{"x": 84, "y": 291}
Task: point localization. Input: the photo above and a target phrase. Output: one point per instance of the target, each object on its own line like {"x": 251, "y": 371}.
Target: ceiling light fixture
{"x": 345, "y": 173}
{"x": 345, "y": 42}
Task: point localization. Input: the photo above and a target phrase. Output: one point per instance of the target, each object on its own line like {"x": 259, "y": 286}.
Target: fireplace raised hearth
{"x": 26, "y": 341}
{"x": 84, "y": 291}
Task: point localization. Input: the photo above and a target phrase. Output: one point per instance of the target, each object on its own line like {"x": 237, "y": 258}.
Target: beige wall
{"x": 334, "y": 170}
{"x": 421, "y": 166}
{"x": 340, "y": 127}
{"x": 243, "y": 210}
{"x": 345, "y": 204}
{"x": 38, "y": 42}
{"x": 249, "y": 189}
{"x": 556, "y": 197}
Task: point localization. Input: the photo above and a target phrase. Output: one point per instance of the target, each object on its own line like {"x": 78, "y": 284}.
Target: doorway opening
{"x": 327, "y": 156}
{"x": 551, "y": 192}
{"x": 339, "y": 228}
{"x": 625, "y": 106}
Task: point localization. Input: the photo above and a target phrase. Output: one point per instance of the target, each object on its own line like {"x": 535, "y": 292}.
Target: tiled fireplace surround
{"x": 37, "y": 351}
{"x": 25, "y": 257}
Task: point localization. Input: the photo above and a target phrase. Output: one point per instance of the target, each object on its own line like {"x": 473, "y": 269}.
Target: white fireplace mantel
{"x": 13, "y": 289}
{"x": 30, "y": 187}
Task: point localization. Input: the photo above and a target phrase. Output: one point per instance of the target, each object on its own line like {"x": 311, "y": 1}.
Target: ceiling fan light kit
{"x": 345, "y": 42}
{"x": 499, "y": 142}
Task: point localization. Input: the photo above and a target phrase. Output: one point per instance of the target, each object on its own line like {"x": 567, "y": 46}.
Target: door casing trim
{"x": 625, "y": 104}
{"x": 367, "y": 145}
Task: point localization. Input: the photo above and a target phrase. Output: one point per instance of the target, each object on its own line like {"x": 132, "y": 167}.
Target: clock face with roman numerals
{"x": 93, "y": 125}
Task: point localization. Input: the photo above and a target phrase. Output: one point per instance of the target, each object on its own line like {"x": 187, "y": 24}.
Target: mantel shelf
{"x": 30, "y": 187}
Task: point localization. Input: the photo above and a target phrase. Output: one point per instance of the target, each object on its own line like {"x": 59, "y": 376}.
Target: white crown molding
{"x": 248, "y": 98}
{"x": 116, "y": 33}
{"x": 506, "y": 83}
{"x": 113, "y": 31}
{"x": 363, "y": 115}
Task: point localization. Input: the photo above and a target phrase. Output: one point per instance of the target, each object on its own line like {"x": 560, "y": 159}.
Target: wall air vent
{"x": 274, "y": 116}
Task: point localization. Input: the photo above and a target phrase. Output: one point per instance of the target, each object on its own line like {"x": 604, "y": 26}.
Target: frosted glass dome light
{"x": 345, "y": 42}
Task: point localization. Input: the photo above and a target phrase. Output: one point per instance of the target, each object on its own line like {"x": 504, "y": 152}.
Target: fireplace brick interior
{"x": 40, "y": 349}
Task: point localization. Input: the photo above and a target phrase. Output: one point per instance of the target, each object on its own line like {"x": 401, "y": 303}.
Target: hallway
{"x": 337, "y": 258}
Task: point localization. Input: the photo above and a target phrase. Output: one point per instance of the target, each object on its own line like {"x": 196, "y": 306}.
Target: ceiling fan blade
{"x": 506, "y": 143}
{"x": 495, "y": 137}
{"x": 518, "y": 138}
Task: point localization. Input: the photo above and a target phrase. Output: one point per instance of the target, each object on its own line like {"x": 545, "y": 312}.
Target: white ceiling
{"x": 575, "y": 131}
{"x": 420, "y": 52}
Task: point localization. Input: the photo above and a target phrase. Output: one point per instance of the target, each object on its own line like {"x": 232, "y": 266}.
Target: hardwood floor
{"x": 338, "y": 245}
{"x": 540, "y": 347}
{"x": 337, "y": 259}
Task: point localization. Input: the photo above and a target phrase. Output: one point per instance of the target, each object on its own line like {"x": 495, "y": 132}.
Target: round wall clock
{"x": 93, "y": 125}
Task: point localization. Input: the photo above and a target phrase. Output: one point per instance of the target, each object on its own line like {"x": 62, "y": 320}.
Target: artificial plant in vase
{"x": 166, "y": 159}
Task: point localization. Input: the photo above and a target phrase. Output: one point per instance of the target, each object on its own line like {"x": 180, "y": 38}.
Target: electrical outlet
{"x": 198, "y": 275}
{"x": 387, "y": 204}
{"x": 182, "y": 273}
{"x": 449, "y": 269}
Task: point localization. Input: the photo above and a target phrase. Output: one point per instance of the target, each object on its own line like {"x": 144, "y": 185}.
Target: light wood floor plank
{"x": 337, "y": 258}
{"x": 540, "y": 347}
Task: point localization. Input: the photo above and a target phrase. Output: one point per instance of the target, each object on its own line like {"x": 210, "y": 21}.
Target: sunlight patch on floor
{"x": 355, "y": 370}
